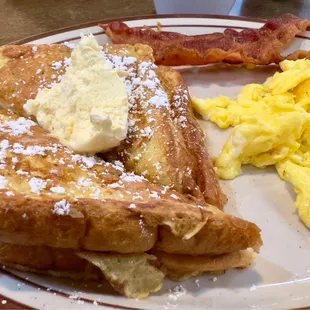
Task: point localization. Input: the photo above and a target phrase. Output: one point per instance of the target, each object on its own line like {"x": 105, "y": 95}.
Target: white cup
{"x": 221, "y": 7}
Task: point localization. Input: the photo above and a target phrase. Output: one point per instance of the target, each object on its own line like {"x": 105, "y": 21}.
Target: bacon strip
{"x": 257, "y": 46}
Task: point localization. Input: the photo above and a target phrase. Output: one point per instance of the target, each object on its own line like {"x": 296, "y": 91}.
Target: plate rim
{"x": 133, "y": 18}
{"x": 13, "y": 303}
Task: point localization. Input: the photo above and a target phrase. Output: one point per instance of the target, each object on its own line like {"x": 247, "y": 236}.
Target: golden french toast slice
{"x": 165, "y": 142}
{"x": 158, "y": 146}
{"x": 200, "y": 164}
{"x": 51, "y": 197}
{"x": 70, "y": 263}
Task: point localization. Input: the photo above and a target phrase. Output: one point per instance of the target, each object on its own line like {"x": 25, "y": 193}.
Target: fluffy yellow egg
{"x": 294, "y": 72}
{"x": 302, "y": 94}
{"x": 262, "y": 141}
{"x": 225, "y": 112}
{"x": 299, "y": 176}
{"x": 271, "y": 127}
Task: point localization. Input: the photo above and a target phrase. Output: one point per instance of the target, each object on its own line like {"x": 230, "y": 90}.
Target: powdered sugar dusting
{"x": 115, "y": 185}
{"x": 143, "y": 88}
{"x": 56, "y": 65}
{"x": 83, "y": 182}
{"x": 197, "y": 283}
{"x": 33, "y": 150}
{"x": 18, "y": 127}
{"x": 146, "y": 132}
{"x": 131, "y": 177}
{"x": 75, "y": 295}
{"x": 3, "y": 182}
{"x": 96, "y": 193}
{"x": 177, "y": 291}
{"x": 252, "y": 288}
{"x": 22, "y": 172}
{"x": 61, "y": 207}
{"x": 58, "y": 189}
{"x": 37, "y": 185}
{"x": 180, "y": 103}
{"x": 154, "y": 195}
{"x": 69, "y": 44}
{"x": 88, "y": 162}
{"x": 4, "y": 145}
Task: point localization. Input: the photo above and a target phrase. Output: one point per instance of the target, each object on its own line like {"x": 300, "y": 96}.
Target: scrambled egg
{"x": 296, "y": 170}
{"x": 271, "y": 127}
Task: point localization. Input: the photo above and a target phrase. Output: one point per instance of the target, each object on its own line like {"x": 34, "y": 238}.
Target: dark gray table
{"x": 22, "y": 18}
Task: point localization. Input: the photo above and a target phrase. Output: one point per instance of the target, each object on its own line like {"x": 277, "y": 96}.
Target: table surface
{"x": 23, "y": 18}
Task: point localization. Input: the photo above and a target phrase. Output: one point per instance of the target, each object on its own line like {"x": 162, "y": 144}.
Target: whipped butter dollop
{"x": 88, "y": 109}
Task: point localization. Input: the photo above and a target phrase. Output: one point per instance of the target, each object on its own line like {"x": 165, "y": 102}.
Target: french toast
{"x": 56, "y": 204}
{"x": 164, "y": 144}
{"x": 72, "y": 264}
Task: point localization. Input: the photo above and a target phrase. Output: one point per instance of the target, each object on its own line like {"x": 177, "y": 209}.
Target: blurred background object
{"x": 221, "y": 7}
{"x": 265, "y": 9}
{"x": 23, "y": 18}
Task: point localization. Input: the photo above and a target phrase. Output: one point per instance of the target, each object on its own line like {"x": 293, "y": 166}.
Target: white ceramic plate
{"x": 281, "y": 276}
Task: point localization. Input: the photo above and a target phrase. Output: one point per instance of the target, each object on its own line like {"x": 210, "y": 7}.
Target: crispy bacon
{"x": 258, "y": 46}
